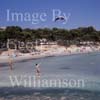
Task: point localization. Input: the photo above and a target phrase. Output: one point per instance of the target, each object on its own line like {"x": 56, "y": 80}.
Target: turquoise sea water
{"x": 76, "y": 67}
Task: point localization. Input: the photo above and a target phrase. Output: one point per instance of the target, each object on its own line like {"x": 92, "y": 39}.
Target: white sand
{"x": 52, "y": 50}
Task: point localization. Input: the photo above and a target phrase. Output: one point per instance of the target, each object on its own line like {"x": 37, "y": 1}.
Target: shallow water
{"x": 81, "y": 66}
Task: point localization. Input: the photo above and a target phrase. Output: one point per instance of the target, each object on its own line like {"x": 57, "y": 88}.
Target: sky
{"x": 78, "y": 13}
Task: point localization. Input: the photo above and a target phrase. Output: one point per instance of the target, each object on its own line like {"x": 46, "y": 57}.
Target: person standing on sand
{"x": 37, "y": 70}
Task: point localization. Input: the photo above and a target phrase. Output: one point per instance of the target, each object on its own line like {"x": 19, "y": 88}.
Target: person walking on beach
{"x": 37, "y": 71}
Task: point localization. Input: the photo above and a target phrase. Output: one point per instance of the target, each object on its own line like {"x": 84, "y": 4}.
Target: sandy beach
{"x": 46, "y": 51}
{"x": 50, "y": 50}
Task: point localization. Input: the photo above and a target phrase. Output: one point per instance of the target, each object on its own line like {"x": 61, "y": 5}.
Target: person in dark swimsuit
{"x": 37, "y": 70}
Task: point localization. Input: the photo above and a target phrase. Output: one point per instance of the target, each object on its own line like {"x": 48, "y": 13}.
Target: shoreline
{"x": 51, "y": 51}
{"x": 5, "y": 60}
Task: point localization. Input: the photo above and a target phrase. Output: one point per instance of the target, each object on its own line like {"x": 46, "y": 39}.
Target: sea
{"x": 68, "y": 77}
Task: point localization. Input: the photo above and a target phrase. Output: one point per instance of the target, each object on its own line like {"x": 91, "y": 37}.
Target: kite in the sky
{"x": 59, "y": 18}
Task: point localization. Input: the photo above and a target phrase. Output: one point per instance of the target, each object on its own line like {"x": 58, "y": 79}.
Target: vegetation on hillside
{"x": 62, "y": 36}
